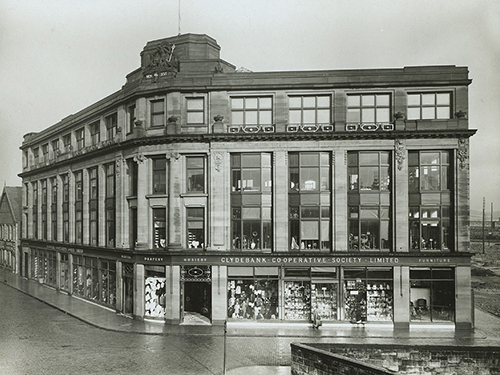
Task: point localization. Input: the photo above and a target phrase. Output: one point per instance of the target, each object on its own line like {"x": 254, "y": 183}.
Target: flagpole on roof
{"x": 179, "y": 18}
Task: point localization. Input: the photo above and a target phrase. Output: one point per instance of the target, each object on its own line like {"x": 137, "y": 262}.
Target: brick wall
{"x": 357, "y": 359}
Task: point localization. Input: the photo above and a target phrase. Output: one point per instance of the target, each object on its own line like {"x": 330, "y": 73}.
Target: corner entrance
{"x": 196, "y": 300}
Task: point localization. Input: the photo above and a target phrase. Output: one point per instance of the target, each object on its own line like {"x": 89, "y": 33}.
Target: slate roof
{"x": 12, "y": 197}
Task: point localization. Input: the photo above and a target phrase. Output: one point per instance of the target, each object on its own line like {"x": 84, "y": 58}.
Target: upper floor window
{"x": 252, "y": 111}
{"x": 36, "y": 155}
{"x": 131, "y": 118}
{"x": 80, "y": 138}
{"x": 195, "y": 170}
{"x": 160, "y": 176}
{"x": 305, "y": 110}
{"x": 428, "y": 171}
{"x": 429, "y": 106}
{"x": 55, "y": 146}
{"x": 111, "y": 126}
{"x": 195, "y": 111}
{"x": 159, "y": 228}
{"x": 67, "y": 142}
{"x": 157, "y": 113}
{"x": 195, "y": 227}
{"x": 368, "y": 108}
{"x": 45, "y": 152}
{"x": 95, "y": 133}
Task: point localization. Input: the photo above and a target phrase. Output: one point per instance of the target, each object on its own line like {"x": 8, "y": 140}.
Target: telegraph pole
{"x": 484, "y": 213}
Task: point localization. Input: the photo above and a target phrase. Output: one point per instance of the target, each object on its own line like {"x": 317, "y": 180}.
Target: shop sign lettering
{"x": 308, "y": 260}
{"x": 153, "y": 259}
{"x": 434, "y": 260}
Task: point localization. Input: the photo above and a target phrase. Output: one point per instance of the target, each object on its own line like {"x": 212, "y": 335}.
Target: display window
{"x": 368, "y": 294}
{"x": 108, "y": 282}
{"x": 64, "y": 273}
{"x": 155, "y": 292}
{"x": 253, "y": 293}
{"x": 432, "y": 294}
{"x": 309, "y": 290}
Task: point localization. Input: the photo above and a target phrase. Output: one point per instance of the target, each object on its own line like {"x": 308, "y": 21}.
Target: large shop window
{"x": 369, "y": 200}
{"x": 310, "y": 289}
{"x": 309, "y": 200}
{"x": 368, "y": 108}
{"x": 253, "y": 293}
{"x": 107, "y": 271}
{"x": 43, "y": 266}
{"x": 430, "y": 189}
{"x": 64, "y": 273}
{"x": 368, "y": 294}
{"x": 195, "y": 227}
{"x": 310, "y": 110}
{"x": 432, "y": 294}
{"x": 155, "y": 292}
{"x": 429, "y": 106}
{"x": 251, "y": 201}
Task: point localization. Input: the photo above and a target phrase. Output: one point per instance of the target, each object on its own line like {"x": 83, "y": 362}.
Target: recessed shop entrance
{"x": 196, "y": 299}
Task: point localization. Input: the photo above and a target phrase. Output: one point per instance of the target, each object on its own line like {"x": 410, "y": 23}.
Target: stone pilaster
{"x": 400, "y": 198}
{"x": 174, "y": 201}
{"x": 280, "y": 209}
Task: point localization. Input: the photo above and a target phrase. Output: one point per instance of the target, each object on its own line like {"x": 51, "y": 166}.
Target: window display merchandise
{"x": 154, "y": 297}
{"x": 324, "y": 300}
{"x": 297, "y": 300}
{"x": 253, "y": 299}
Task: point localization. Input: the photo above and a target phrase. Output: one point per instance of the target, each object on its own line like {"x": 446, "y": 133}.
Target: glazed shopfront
{"x": 352, "y": 288}
{"x": 397, "y": 290}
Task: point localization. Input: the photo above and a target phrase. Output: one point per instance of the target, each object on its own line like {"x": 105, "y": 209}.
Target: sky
{"x": 60, "y": 56}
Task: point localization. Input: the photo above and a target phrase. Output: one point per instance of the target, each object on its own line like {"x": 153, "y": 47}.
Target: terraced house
{"x": 199, "y": 193}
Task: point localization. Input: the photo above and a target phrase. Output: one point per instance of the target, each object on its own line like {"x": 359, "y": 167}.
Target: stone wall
{"x": 357, "y": 359}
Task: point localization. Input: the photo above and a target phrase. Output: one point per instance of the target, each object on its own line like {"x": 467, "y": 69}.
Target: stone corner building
{"x": 200, "y": 193}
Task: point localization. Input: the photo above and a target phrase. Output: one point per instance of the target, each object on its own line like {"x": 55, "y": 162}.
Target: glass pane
{"x": 368, "y": 115}
{"x": 443, "y": 113}
{"x": 157, "y": 120}
{"x": 429, "y": 157}
{"x": 414, "y": 99}
{"x": 309, "y": 159}
{"x": 353, "y": 115}
{"x": 250, "y": 160}
{"x": 237, "y": 103}
{"x": 196, "y": 162}
{"x": 353, "y": 101}
{"x": 430, "y": 178}
{"x": 369, "y": 213}
{"x": 428, "y": 99}
{"x": 383, "y": 100}
{"x": 309, "y": 179}
{"x": 384, "y": 235}
{"x": 157, "y": 106}
{"x": 323, "y": 116}
{"x": 195, "y": 104}
{"x": 251, "y": 118}
{"x": 369, "y": 235}
{"x": 309, "y": 116}
{"x": 309, "y": 212}
{"x": 295, "y": 101}
{"x": 323, "y": 101}
{"x": 428, "y": 113}
{"x": 368, "y": 100}
{"x": 443, "y": 99}
{"x": 250, "y": 213}
{"x": 295, "y": 117}
{"x": 413, "y": 114}
{"x": 294, "y": 178}
{"x": 195, "y": 180}
{"x": 385, "y": 179}
{"x": 368, "y": 178}
{"x": 251, "y": 103}
{"x": 309, "y": 102}
{"x": 237, "y": 118}
{"x": 265, "y": 118}
{"x": 195, "y": 118}
{"x": 382, "y": 114}
{"x": 309, "y": 230}
{"x": 250, "y": 179}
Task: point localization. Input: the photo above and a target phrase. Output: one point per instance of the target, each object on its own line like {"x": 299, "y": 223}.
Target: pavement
{"x": 485, "y": 333}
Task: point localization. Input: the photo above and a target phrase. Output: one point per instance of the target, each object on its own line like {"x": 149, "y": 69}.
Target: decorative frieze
{"x": 217, "y": 157}
{"x": 463, "y": 152}
{"x": 399, "y": 152}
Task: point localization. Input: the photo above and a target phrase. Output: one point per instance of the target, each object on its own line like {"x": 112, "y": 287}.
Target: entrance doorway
{"x": 196, "y": 295}
{"x": 128, "y": 289}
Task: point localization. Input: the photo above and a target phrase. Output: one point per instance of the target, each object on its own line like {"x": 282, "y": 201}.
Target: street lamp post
{"x": 224, "y": 356}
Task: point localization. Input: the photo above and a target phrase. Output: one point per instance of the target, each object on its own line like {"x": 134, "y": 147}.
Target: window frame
{"x": 95, "y": 132}
{"x": 302, "y": 108}
{"x": 422, "y": 106}
{"x": 111, "y": 122}
{"x": 157, "y": 174}
{"x": 154, "y": 114}
{"x": 195, "y": 111}
{"x": 192, "y": 220}
{"x": 189, "y": 182}
{"x": 246, "y": 110}
{"x": 375, "y": 106}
